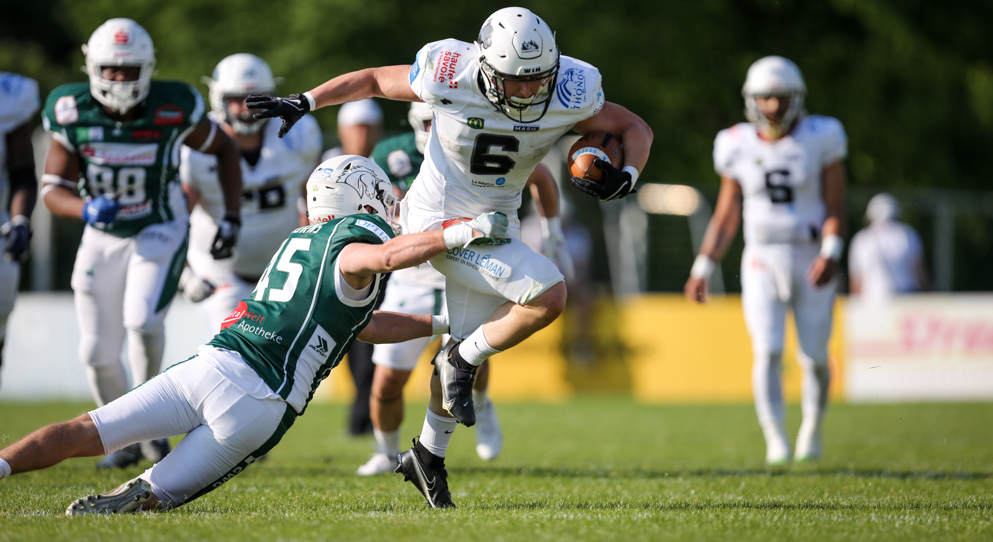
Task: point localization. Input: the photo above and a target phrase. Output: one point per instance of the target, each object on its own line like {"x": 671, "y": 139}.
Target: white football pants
{"x": 408, "y": 298}
{"x": 773, "y": 279}
{"x": 123, "y": 287}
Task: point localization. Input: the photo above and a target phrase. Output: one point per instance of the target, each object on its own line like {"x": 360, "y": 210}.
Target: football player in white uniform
{"x": 499, "y": 105}
{"x": 421, "y": 290}
{"x": 18, "y": 185}
{"x": 783, "y": 173}
{"x": 274, "y": 171}
{"x": 113, "y": 163}
{"x": 887, "y": 257}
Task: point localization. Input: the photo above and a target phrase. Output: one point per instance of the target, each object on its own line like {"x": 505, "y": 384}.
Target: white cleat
{"x": 808, "y": 443}
{"x": 489, "y": 437}
{"x": 777, "y": 449}
{"x": 129, "y": 497}
{"x": 379, "y": 463}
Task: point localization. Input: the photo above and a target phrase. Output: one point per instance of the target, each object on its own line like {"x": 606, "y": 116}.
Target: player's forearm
{"x": 24, "y": 192}
{"x": 391, "y": 327}
{"x": 637, "y": 138}
{"x": 229, "y": 173}
{"x": 385, "y": 82}
{"x": 411, "y": 249}
{"x": 834, "y": 200}
{"x": 63, "y": 203}
{"x": 544, "y": 191}
{"x": 724, "y": 224}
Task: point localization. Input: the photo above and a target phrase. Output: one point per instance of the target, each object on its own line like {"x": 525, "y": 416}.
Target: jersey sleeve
{"x": 305, "y": 139}
{"x": 18, "y": 101}
{"x": 727, "y": 148}
{"x": 834, "y": 141}
{"x": 440, "y": 75}
{"x": 579, "y": 88}
{"x": 61, "y": 112}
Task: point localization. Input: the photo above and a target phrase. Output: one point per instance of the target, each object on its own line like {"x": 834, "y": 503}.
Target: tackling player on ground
{"x": 241, "y": 392}
{"x": 499, "y": 105}
{"x": 114, "y": 164}
{"x": 783, "y": 172}
{"x": 18, "y": 185}
{"x": 274, "y": 171}
{"x": 421, "y": 290}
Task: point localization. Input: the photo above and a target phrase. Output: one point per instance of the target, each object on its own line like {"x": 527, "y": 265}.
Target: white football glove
{"x": 193, "y": 287}
{"x": 492, "y": 226}
{"x": 553, "y": 246}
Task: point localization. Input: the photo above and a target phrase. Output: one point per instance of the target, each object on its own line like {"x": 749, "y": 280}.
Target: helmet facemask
{"x": 766, "y": 126}
{"x": 235, "y": 77}
{"x": 774, "y": 76}
{"x": 495, "y": 85}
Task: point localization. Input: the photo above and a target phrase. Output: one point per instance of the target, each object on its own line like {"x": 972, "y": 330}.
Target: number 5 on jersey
{"x": 283, "y": 264}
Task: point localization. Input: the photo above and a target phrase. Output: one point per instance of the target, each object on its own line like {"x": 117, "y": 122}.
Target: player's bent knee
{"x": 550, "y": 304}
{"x": 388, "y": 384}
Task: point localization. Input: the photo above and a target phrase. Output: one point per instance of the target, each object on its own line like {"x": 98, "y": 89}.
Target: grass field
{"x": 588, "y": 469}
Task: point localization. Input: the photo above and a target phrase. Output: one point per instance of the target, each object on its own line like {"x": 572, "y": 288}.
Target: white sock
{"x": 479, "y": 398}
{"x": 389, "y": 442}
{"x": 474, "y": 349}
{"x": 4, "y": 469}
{"x": 436, "y": 433}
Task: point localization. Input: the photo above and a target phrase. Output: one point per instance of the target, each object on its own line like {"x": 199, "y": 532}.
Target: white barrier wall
{"x": 40, "y": 360}
{"x": 922, "y": 347}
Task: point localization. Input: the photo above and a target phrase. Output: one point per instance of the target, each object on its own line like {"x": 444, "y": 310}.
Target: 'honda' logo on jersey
{"x": 475, "y": 122}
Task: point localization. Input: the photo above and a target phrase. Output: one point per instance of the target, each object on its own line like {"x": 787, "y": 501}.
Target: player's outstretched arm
{"x": 720, "y": 233}
{"x": 392, "y": 327}
{"x": 385, "y": 82}
{"x": 209, "y": 138}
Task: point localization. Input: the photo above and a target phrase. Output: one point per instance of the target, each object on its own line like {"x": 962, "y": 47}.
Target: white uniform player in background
{"x": 887, "y": 257}
{"x": 360, "y": 125}
{"x": 18, "y": 185}
{"x": 274, "y": 171}
{"x": 783, "y": 172}
{"x": 499, "y": 106}
{"x": 421, "y": 290}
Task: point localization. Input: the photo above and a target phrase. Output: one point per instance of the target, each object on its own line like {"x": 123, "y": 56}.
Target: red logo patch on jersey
{"x": 145, "y": 135}
{"x": 235, "y": 315}
{"x": 168, "y": 114}
{"x": 453, "y": 84}
{"x": 121, "y": 37}
{"x": 445, "y": 71}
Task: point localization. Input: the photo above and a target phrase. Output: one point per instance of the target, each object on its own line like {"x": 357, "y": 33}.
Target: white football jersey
{"x": 477, "y": 159}
{"x": 781, "y": 180}
{"x": 270, "y": 190}
{"x": 884, "y": 258}
{"x": 18, "y": 102}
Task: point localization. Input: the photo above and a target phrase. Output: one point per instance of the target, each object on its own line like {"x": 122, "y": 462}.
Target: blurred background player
{"x": 886, "y": 257}
{"x": 360, "y": 125}
{"x": 783, "y": 172}
{"x": 274, "y": 171}
{"x": 487, "y": 99}
{"x": 18, "y": 185}
{"x": 421, "y": 290}
{"x": 115, "y": 138}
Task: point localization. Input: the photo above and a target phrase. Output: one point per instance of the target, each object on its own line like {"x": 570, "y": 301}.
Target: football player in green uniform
{"x": 243, "y": 390}
{"x": 114, "y": 163}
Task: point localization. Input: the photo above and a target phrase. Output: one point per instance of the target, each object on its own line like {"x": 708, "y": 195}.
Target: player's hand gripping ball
{"x": 589, "y": 148}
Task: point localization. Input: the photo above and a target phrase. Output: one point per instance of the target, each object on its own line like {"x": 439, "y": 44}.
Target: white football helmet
{"x": 516, "y": 45}
{"x": 240, "y": 74}
{"x": 119, "y": 42}
{"x": 774, "y": 76}
{"x": 419, "y": 115}
{"x": 882, "y": 208}
{"x": 348, "y": 185}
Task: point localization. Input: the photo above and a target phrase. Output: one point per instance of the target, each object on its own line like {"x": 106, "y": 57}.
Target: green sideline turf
{"x": 587, "y": 469}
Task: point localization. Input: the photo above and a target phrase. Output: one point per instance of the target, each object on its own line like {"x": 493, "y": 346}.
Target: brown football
{"x": 602, "y": 145}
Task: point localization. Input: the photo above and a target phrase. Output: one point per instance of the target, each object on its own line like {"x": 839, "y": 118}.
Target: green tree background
{"x": 911, "y": 80}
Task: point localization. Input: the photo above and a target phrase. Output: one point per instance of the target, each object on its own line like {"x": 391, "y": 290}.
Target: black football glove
{"x": 227, "y": 235}
{"x": 18, "y": 239}
{"x": 615, "y": 184}
{"x": 290, "y": 109}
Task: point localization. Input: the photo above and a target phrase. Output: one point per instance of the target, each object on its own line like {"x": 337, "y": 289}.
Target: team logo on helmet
{"x": 121, "y": 37}
{"x": 530, "y": 47}
{"x": 362, "y": 179}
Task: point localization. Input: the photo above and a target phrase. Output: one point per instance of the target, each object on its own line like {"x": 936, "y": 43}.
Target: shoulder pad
{"x": 440, "y": 74}
{"x": 831, "y": 137}
{"x": 579, "y": 87}
{"x": 62, "y": 108}
{"x": 727, "y": 147}
{"x": 18, "y": 100}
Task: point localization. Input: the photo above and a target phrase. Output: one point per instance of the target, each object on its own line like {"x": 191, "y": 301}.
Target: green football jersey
{"x": 297, "y": 324}
{"x": 138, "y": 160}
{"x": 399, "y": 158}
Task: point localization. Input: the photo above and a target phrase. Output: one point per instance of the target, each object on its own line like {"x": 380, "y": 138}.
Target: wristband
{"x": 832, "y": 246}
{"x": 551, "y": 227}
{"x": 439, "y": 324}
{"x": 458, "y": 235}
{"x": 21, "y": 220}
{"x": 633, "y": 171}
{"x": 310, "y": 100}
{"x": 703, "y": 267}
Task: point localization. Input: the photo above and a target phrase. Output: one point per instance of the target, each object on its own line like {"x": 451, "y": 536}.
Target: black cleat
{"x": 427, "y": 472}
{"x": 121, "y": 459}
{"x": 456, "y": 376}
{"x": 155, "y": 450}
